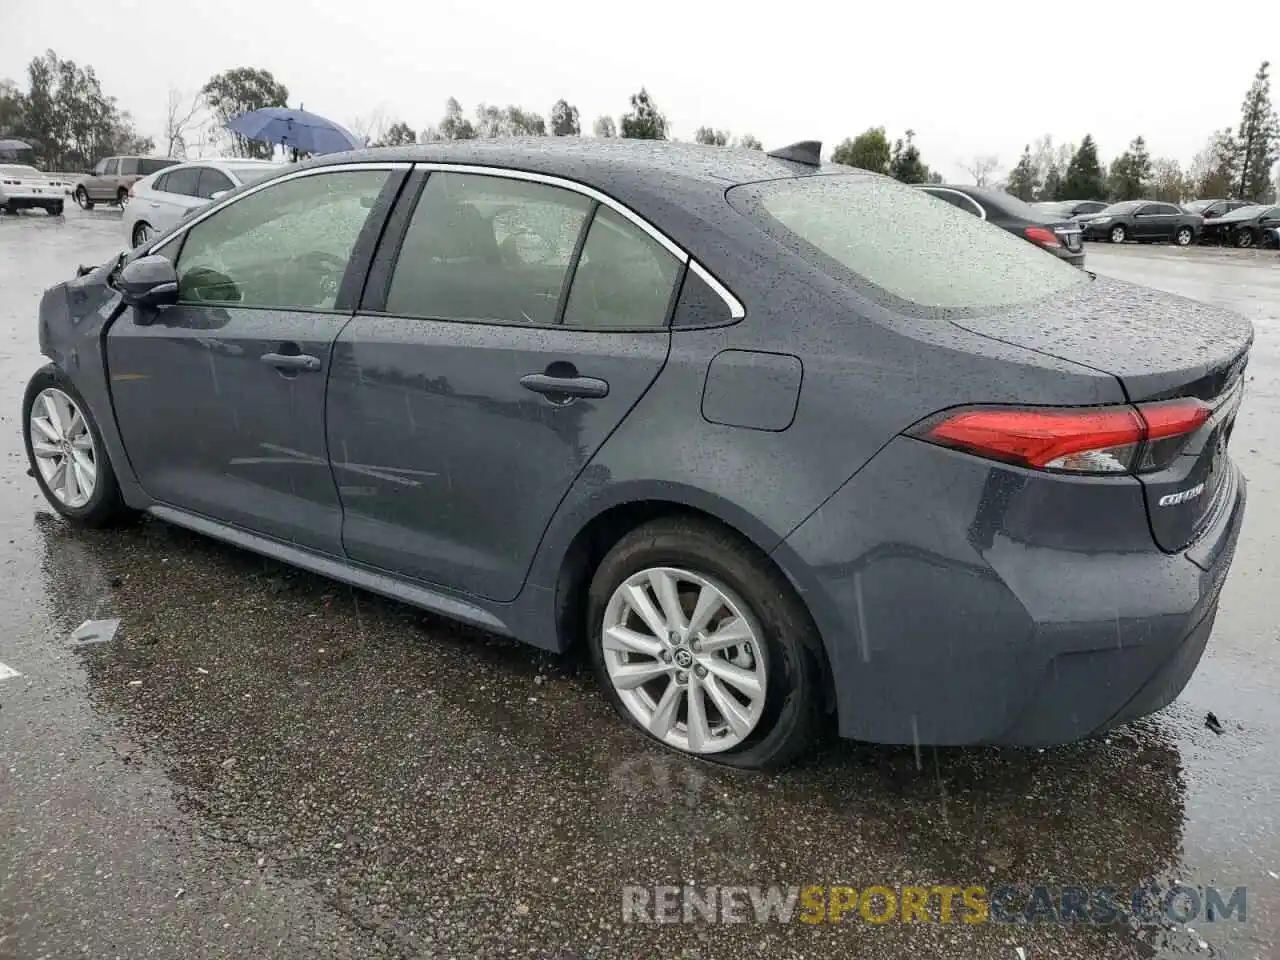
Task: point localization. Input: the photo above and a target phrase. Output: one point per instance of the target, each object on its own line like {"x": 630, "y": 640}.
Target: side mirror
{"x": 218, "y": 194}
{"x": 149, "y": 282}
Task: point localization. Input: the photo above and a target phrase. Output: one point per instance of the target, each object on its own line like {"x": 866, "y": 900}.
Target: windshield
{"x": 254, "y": 173}
{"x": 1127, "y": 206}
{"x": 903, "y": 241}
{"x": 1247, "y": 213}
{"x": 18, "y": 170}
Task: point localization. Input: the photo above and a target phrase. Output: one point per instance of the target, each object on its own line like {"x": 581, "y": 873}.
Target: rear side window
{"x": 112, "y": 166}
{"x": 958, "y": 200}
{"x": 900, "y": 241}
{"x": 128, "y": 166}
{"x": 184, "y": 181}
{"x": 160, "y": 184}
{"x": 624, "y": 279}
{"x": 212, "y": 181}
{"x": 487, "y": 248}
{"x": 149, "y": 165}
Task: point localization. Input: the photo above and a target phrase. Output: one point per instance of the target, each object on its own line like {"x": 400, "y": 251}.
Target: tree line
{"x": 66, "y": 117}
{"x": 1232, "y": 164}
{"x": 71, "y": 122}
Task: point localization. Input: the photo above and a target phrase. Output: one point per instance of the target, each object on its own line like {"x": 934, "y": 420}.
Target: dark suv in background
{"x": 1144, "y": 220}
{"x": 110, "y": 180}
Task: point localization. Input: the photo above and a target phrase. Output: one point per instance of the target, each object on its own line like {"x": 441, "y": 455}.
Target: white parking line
{"x": 7, "y": 671}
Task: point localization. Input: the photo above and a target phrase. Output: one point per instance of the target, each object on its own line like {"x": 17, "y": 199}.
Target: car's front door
{"x": 101, "y": 186}
{"x": 498, "y": 346}
{"x": 1156, "y": 221}
{"x": 220, "y": 398}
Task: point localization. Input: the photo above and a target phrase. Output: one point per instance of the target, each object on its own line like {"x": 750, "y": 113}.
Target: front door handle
{"x": 291, "y": 362}
{"x": 551, "y": 386}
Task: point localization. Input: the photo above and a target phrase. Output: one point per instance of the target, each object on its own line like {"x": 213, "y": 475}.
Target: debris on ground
{"x": 95, "y": 631}
{"x": 1213, "y": 723}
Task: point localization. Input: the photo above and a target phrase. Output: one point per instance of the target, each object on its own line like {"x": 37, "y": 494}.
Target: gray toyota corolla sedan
{"x": 776, "y": 440}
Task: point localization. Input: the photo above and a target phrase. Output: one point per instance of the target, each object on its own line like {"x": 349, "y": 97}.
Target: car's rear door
{"x": 220, "y": 398}
{"x": 168, "y": 199}
{"x": 509, "y": 325}
{"x": 1155, "y": 221}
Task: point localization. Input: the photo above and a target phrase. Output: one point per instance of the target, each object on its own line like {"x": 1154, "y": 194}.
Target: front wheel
{"x": 65, "y": 450}
{"x": 1244, "y": 238}
{"x": 1118, "y": 234}
{"x": 703, "y": 645}
{"x": 142, "y": 232}
{"x": 1184, "y": 236}
{"x": 82, "y": 198}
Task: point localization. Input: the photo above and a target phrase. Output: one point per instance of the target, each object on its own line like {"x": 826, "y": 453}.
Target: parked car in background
{"x": 456, "y": 374}
{"x": 24, "y": 187}
{"x": 111, "y": 178}
{"x": 1143, "y": 220}
{"x": 1249, "y": 226}
{"x": 1067, "y": 209}
{"x": 1214, "y": 208}
{"x": 1050, "y": 232}
{"x": 162, "y": 200}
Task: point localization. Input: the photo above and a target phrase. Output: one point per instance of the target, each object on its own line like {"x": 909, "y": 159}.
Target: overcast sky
{"x": 986, "y": 82}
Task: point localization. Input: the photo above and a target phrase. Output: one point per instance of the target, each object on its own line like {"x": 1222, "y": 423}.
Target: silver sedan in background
{"x": 163, "y": 199}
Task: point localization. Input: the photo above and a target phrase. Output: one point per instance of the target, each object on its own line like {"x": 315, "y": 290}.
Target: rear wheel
{"x": 1118, "y": 234}
{"x": 1245, "y": 238}
{"x": 1184, "y": 236}
{"x": 64, "y": 447}
{"x": 82, "y": 199}
{"x": 122, "y": 197}
{"x": 701, "y": 643}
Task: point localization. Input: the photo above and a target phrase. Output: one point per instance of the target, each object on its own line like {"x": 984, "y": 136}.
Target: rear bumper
{"x": 22, "y": 199}
{"x": 1000, "y": 606}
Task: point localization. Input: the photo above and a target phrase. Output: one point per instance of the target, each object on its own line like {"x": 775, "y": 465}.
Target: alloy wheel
{"x": 685, "y": 657}
{"x": 1244, "y": 239}
{"x": 1183, "y": 237}
{"x": 63, "y": 447}
{"x": 1117, "y": 235}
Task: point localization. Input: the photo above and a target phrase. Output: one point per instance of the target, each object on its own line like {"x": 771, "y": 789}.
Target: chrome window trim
{"x": 736, "y": 310}
{"x": 295, "y": 175}
{"x": 979, "y": 210}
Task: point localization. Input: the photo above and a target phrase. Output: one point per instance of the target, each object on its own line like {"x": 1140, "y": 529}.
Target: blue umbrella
{"x": 297, "y": 129}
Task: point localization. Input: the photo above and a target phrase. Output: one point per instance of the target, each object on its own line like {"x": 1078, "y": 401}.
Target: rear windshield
{"x": 17, "y": 170}
{"x": 253, "y": 173}
{"x": 904, "y": 242}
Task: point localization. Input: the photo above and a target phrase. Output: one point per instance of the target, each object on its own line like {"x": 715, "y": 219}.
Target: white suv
{"x": 163, "y": 199}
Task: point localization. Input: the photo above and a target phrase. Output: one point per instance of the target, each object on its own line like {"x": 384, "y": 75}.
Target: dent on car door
{"x": 220, "y": 398}
{"x": 511, "y": 332}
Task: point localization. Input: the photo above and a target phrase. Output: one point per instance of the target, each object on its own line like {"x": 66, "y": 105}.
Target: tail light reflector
{"x": 1117, "y": 439}
{"x": 1042, "y": 236}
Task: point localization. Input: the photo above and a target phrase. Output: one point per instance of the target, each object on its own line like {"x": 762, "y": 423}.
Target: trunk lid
{"x": 1159, "y": 346}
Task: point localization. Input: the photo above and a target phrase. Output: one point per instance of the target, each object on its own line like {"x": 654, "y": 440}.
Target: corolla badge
{"x": 1182, "y": 496}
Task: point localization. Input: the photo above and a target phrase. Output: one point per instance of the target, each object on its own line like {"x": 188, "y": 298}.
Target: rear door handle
{"x": 547, "y": 385}
{"x": 283, "y": 361}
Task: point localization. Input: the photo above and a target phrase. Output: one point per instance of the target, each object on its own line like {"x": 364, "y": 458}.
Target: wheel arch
{"x": 575, "y": 558}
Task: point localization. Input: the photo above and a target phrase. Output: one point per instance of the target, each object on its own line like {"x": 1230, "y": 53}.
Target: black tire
{"x": 1118, "y": 234}
{"x": 1184, "y": 236}
{"x": 1244, "y": 238}
{"x": 82, "y": 198}
{"x": 138, "y": 237}
{"x": 122, "y": 198}
{"x": 790, "y": 721}
{"x": 106, "y": 505}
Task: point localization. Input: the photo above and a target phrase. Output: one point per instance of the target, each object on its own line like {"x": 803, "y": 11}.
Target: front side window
{"x": 862, "y": 229}
{"x": 487, "y": 248}
{"x": 286, "y": 246}
{"x": 624, "y": 278}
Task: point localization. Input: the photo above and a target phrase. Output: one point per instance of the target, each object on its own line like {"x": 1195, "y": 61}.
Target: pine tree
{"x": 1131, "y": 172}
{"x": 1084, "y": 180}
{"x": 905, "y": 164}
{"x": 645, "y": 121}
{"x": 1258, "y": 138}
{"x": 1022, "y": 178}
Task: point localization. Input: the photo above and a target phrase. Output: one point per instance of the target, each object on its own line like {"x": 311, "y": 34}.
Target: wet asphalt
{"x": 262, "y": 763}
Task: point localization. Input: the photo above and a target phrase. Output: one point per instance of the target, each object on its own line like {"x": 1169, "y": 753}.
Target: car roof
{"x": 620, "y": 167}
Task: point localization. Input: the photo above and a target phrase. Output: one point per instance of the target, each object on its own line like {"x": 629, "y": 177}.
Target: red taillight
{"x": 1080, "y": 440}
{"x": 1042, "y": 236}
